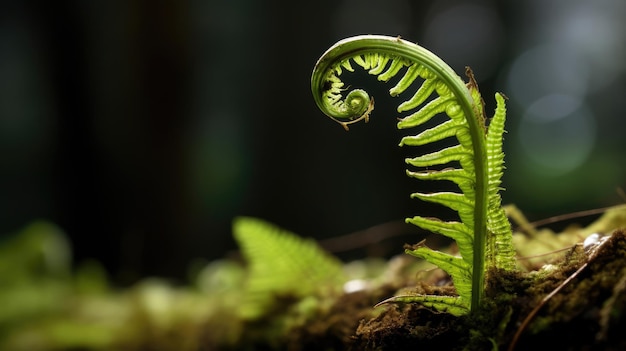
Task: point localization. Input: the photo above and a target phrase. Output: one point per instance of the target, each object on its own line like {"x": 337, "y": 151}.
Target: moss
{"x": 589, "y": 312}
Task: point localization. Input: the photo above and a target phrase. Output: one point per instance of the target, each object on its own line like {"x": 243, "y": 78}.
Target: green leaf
{"x": 457, "y": 231}
{"x": 500, "y": 252}
{"x": 441, "y": 157}
{"x": 456, "y": 267}
{"x": 281, "y": 264}
{"x": 450, "y": 304}
{"x": 460, "y": 177}
{"x": 427, "y": 112}
{"x": 424, "y": 91}
{"x": 441, "y": 131}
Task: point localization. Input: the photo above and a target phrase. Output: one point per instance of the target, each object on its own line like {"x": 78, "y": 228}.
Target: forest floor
{"x": 568, "y": 293}
{"x": 575, "y": 302}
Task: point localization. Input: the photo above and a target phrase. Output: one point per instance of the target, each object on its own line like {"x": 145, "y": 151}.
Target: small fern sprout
{"x": 282, "y": 264}
{"x": 474, "y": 163}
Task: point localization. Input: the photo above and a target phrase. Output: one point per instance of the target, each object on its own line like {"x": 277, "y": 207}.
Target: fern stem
{"x": 361, "y": 104}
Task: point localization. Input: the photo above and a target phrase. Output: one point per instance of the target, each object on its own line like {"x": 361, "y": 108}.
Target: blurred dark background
{"x": 142, "y": 128}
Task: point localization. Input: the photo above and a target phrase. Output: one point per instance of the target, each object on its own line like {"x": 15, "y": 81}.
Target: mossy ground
{"x": 588, "y": 313}
{"x": 47, "y": 307}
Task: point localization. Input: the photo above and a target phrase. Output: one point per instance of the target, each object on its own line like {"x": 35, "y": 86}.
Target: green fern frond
{"x": 281, "y": 264}
{"x": 483, "y": 231}
{"x": 449, "y": 304}
{"x": 500, "y": 252}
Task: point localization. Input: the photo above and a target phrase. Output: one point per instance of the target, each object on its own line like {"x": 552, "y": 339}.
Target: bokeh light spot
{"x": 546, "y": 70}
{"x": 557, "y": 132}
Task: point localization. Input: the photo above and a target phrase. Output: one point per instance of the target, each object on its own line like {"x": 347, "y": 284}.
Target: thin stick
{"x": 520, "y": 258}
{"x": 571, "y": 215}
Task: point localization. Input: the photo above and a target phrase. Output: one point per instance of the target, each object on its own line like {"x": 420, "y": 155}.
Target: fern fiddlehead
{"x": 483, "y": 231}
